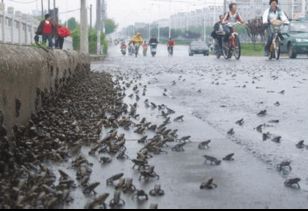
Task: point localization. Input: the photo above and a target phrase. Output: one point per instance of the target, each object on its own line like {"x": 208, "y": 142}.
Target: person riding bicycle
{"x": 219, "y": 32}
{"x": 170, "y": 45}
{"x": 230, "y": 19}
{"x": 273, "y": 16}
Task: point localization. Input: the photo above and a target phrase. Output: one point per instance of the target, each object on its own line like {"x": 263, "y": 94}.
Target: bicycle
{"x": 274, "y": 51}
{"x": 217, "y": 46}
{"x": 233, "y": 46}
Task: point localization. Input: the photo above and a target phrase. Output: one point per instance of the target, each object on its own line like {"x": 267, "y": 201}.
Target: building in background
{"x": 198, "y": 18}
{"x": 206, "y": 17}
{"x": 140, "y": 25}
{"x": 249, "y": 9}
{"x": 162, "y": 23}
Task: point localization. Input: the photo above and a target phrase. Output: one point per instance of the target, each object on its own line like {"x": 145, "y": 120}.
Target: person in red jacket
{"x": 170, "y": 45}
{"x": 46, "y": 29}
{"x": 62, "y": 32}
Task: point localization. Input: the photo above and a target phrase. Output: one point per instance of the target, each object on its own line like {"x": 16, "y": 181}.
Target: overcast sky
{"x": 124, "y": 12}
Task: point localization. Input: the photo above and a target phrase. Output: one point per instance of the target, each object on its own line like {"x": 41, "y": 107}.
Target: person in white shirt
{"x": 271, "y": 16}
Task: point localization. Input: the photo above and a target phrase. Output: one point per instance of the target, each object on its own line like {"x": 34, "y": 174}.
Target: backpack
{"x": 64, "y": 32}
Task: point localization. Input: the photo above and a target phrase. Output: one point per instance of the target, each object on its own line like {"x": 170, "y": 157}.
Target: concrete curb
{"x": 29, "y": 75}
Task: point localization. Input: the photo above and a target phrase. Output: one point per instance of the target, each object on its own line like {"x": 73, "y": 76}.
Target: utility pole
{"x": 158, "y": 32}
{"x": 91, "y": 8}
{"x": 55, "y": 12}
{"x": 169, "y": 20}
{"x": 84, "y": 31}
{"x": 98, "y": 25}
{"x": 292, "y": 10}
{"x": 204, "y": 28}
{"x": 103, "y": 16}
{"x": 42, "y": 5}
{"x": 48, "y": 6}
{"x": 3, "y": 21}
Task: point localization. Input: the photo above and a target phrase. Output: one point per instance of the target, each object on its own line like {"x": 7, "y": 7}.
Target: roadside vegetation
{"x": 74, "y": 26}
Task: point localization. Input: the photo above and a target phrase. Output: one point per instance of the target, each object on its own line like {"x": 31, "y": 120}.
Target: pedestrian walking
{"x": 62, "y": 33}
{"x": 145, "y": 48}
{"x": 46, "y": 30}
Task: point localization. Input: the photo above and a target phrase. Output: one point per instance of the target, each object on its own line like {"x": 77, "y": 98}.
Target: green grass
{"x": 178, "y": 42}
{"x": 250, "y": 50}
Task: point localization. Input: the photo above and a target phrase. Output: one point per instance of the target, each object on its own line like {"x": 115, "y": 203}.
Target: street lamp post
{"x": 149, "y": 31}
{"x": 158, "y": 32}
{"x": 204, "y": 27}
{"x": 169, "y": 20}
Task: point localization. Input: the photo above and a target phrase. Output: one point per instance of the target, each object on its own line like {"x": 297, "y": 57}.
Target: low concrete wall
{"x": 28, "y": 75}
{"x": 97, "y": 58}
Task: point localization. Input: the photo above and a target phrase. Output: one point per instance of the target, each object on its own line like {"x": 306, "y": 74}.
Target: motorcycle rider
{"x": 123, "y": 46}
{"x": 137, "y": 40}
{"x": 170, "y": 45}
{"x": 232, "y": 17}
{"x": 273, "y": 16}
{"x": 153, "y": 45}
{"x": 219, "y": 32}
{"x": 153, "y": 40}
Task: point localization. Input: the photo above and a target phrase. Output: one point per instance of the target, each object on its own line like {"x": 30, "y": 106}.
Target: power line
{"x": 69, "y": 11}
{"x": 23, "y": 2}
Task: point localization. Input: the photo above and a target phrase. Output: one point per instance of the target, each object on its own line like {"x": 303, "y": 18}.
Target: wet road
{"x": 213, "y": 95}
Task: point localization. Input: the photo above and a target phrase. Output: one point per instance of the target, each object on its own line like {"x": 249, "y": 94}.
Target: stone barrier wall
{"x": 29, "y": 75}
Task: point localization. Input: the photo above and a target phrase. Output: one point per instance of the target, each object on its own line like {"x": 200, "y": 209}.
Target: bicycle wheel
{"x": 237, "y": 49}
{"x": 277, "y": 49}
{"x": 271, "y": 54}
{"x": 217, "y": 51}
{"x": 226, "y": 51}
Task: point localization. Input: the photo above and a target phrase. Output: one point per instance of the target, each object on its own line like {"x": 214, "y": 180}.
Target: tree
{"x": 92, "y": 41}
{"x": 110, "y": 26}
{"x": 255, "y": 29}
{"x": 72, "y": 24}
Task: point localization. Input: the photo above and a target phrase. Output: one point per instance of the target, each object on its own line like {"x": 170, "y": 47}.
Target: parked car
{"x": 295, "y": 40}
{"x": 198, "y": 47}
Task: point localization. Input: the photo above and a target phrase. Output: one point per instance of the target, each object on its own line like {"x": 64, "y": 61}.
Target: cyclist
{"x": 219, "y": 32}
{"x": 273, "y": 16}
{"x": 230, "y": 19}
